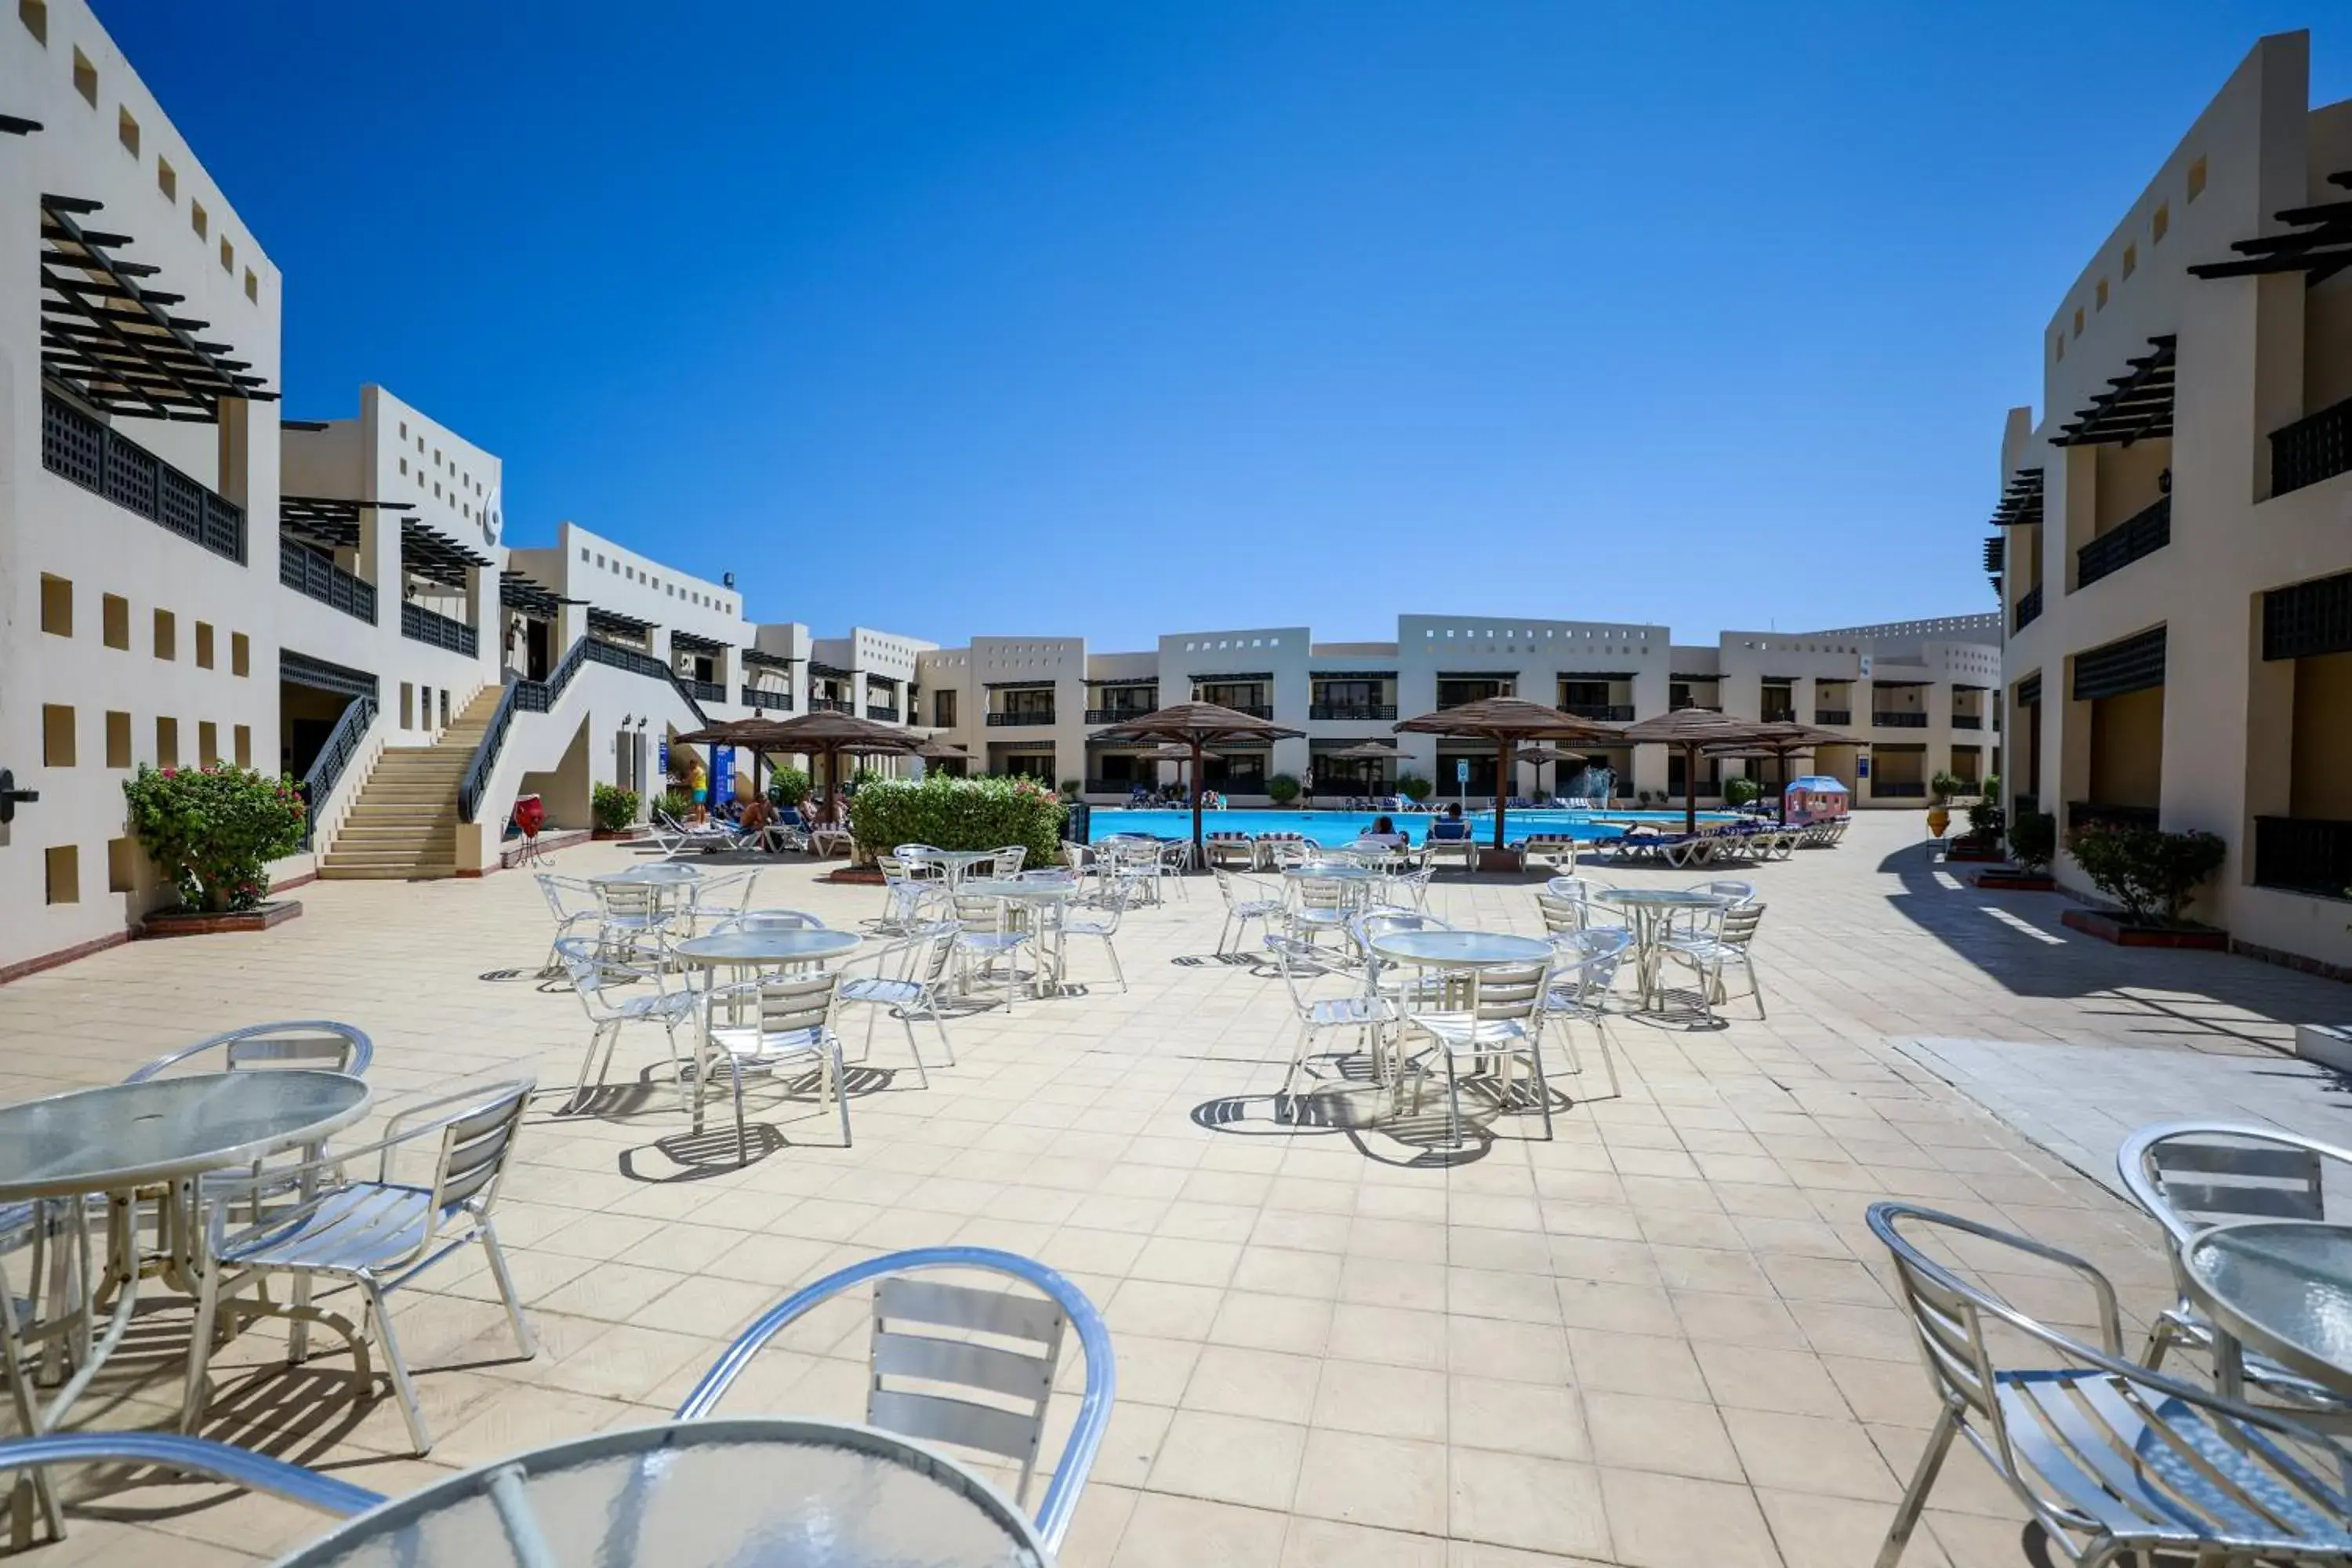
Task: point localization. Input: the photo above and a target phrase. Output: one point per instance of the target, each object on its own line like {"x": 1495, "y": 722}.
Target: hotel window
{"x": 2101, "y": 294}
{"x": 199, "y": 219}
{"x": 204, "y": 645}
{"x": 2158, "y": 224}
{"x": 243, "y": 745}
{"x": 167, "y": 742}
{"x": 207, "y": 742}
{"x": 115, "y": 620}
{"x": 62, "y": 866}
{"x": 240, "y": 655}
{"x": 404, "y": 464}
{"x": 56, "y": 735}
{"x": 2197, "y": 179}
{"x": 2078, "y": 321}
{"x": 165, "y": 634}
{"x": 167, "y": 179}
{"x": 118, "y": 740}
{"x": 2131, "y": 259}
{"x": 252, "y": 286}
{"x": 35, "y": 15}
{"x": 85, "y": 78}
{"x": 122, "y": 866}
{"x": 126, "y": 130}
{"x": 57, "y": 606}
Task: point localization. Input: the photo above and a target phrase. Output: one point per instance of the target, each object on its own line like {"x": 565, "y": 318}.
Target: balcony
{"x": 1021, "y": 716}
{"x": 1899, "y": 720}
{"x": 2304, "y": 855}
{"x": 1968, "y": 720}
{"x": 704, "y": 690}
{"x": 759, "y": 697}
{"x": 2309, "y": 450}
{"x": 2029, "y": 608}
{"x": 2143, "y": 534}
{"x": 421, "y": 624}
{"x": 1832, "y": 715}
{"x": 1606, "y": 712}
{"x": 882, "y": 712}
{"x": 1364, "y": 712}
{"x": 831, "y": 705}
{"x": 2082, "y": 814}
{"x": 1254, "y": 710}
{"x": 77, "y": 447}
{"x": 1898, "y": 789}
{"x": 1118, "y": 715}
{"x": 309, "y": 573}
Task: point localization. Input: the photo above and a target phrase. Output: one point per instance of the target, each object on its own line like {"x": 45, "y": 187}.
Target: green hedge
{"x": 958, "y": 814}
{"x": 213, "y": 831}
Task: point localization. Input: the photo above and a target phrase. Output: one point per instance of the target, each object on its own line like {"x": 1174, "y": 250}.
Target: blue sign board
{"x": 722, "y": 774}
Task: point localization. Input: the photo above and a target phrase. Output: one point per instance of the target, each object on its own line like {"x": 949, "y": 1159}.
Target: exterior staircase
{"x": 403, "y": 823}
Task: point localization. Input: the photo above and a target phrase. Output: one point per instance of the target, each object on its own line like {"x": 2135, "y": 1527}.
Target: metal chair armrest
{"x": 200, "y": 1456}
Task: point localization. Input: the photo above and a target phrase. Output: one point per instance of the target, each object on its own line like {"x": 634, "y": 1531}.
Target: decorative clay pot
{"x": 1939, "y": 819}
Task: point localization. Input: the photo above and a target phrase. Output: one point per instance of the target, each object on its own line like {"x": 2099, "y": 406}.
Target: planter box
{"x": 196, "y": 922}
{"x": 2118, "y": 929}
{"x": 859, "y": 876}
{"x": 1968, "y": 849}
{"x": 2329, "y": 1044}
{"x": 2009, "y": 878}
{"x": 623, "y": 833}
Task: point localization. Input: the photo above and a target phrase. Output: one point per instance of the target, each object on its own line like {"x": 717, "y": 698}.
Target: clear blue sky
{"x": 1117, "y": 319}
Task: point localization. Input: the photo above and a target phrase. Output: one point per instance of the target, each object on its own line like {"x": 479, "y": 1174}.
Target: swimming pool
{"x": 1336, "y": 827}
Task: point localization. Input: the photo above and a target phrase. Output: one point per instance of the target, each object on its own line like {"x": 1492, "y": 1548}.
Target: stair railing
{"x": 327, "y": 769}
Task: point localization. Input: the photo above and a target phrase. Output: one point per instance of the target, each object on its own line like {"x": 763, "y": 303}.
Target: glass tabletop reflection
{"x": 1460, "y": 948}
{"x": 2285, "y": 1286}
{"x": 663, "y": 873}
{"x": 125, "y": 1135}
{"x": 1014, "y": 888}
{"x": 1331, "y": 871}
{"x": 744, "y": 1492}
{"x": 1656, "y": 898}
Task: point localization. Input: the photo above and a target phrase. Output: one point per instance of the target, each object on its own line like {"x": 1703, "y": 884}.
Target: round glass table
{"x": 952, "y": 863}
{"x": 158, "y": 1135}
{"x": 2284, "y": 1287}
{"x": 1651, "y": 912}
{"x": 1040, "y": 899}
{"x": 1332, "y": 871}
{"x": 752, "y": 948}
{"x": 744, "y": 1492}
{"x": 663, "y": 873}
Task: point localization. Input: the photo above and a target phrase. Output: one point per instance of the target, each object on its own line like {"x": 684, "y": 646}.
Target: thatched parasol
{"x": 1778, "y": 740}
{"x": 1694, "y": 729}
{"x": 1506, "y": 721}
{"x": 1194, "y": 726}
{"x": 938, "y": 751}
{"x": 1541, "y": 756}
{"x": 826, "y": 735}
{"x": 1374, "y": 751}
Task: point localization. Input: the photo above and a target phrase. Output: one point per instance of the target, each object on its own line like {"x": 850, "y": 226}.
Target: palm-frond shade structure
{"x": 827, "y": 736}
{"x": 938, "y": 750}
{"x": 1509, "y": 721}
{"x": 1779, "y": 741}
{"x": 1693, "y": 729}
{"x": 1371, "y": 752}
{"x": 1196, "y": 726}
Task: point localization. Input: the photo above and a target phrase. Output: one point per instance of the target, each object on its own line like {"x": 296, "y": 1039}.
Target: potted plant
{"x": 1072, "y": 788}
{"x": 614, "y": 809}
{"x": 212, "y": 833}
{"x": 2153, "y": 875}
{"x": 1942, "y": 788}
{"x": 1414, "y": 788}
{"x": 1282, "y": 789}
{"x": 675, "y": 804}
{"x": 1986, "y": 823}
{"x": 2032, "y": 841}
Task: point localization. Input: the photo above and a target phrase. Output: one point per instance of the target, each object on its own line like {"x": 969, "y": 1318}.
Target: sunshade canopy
{"x": 1196, "y": 725}
{"x": 1694, "y": 729}
{"x": 1507, "y": 720}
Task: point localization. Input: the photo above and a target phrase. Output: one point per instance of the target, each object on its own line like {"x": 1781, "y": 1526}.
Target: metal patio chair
{"x": 1100, "y": 922}
{"x": 910, "y": 974}
{"x": 1262, "y": 905}
{"x": 2114, "y": 1460}
{"x": 1496, "y": 1011}
{"x": 593, "y": 975}
{"x": 1579, "y": 987}
{"x": 2192, "y": 1175}
{"x": 1301, "y": 965}
{"x": 992, "y": 931}
{"x": 574, "y": 904}
{"x": 970, "y": 1393}
{"x": 1710, "y": 949}
{"x": 758, "y": 1026}
{"x": 376, "y": 1235}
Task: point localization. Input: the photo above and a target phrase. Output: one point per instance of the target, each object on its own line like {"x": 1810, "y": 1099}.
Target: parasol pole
{"x": 1690, "y": 788}
{"x": 1198, "y": 858}
{"x": 1502, "y": 785}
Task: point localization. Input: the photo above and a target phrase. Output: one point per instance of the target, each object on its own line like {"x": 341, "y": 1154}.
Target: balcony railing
{"x": 1606, "y": 712}
{"x": 882, "y": 712}
{"x": 704, "y": 690}
{"x": 431, "y": 627}
{"x": 101, "y": 460}
{"x": 1968, "y": 720}
{"x": 1898, "y": 789}
{"x": 1118, "y": 715}
{"x": 472, "y": 788}
{"x": 2029, "y": 608}
{"x": 831, "y": 705}
{"x": 2309, "y": 450}
{"x": 1025, "y": 716}
{"x": 2144, "y": 532}
{"x": 1366, "y": 711}
{"x": 2304, "y": 855}
{"x": 2082, "y": 814}
{"x": 759, "y": 697}
{"x": 1254, "y": 710}
{"x": 1118, "y": 786}
{"x": 313, "y": 574}
{"x": 1899, "y": 720}
{"x": 1832, "y": 715}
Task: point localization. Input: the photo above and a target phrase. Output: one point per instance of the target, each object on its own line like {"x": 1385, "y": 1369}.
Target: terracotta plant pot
{"x": 1939, "y": 819}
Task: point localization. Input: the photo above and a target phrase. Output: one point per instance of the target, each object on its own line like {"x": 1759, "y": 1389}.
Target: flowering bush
{"x": 214, "y": 830}
{"x": 958, "y": 814}
{"x": 614, "y": 808}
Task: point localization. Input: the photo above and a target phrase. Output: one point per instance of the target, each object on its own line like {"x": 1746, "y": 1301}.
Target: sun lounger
{"x": 1555, "y": 850}
{"x": 1227, "y": 847}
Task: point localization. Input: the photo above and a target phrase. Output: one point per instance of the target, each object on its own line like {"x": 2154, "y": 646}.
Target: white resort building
{"x": 191, "y": 576}
{"x": 2176, "y": 524}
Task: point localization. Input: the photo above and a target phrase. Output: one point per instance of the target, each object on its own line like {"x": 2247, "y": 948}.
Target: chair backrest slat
{"x": 909, "y": 1299}
{"x": 963, "y": 1361}
{"x": 932, "y": 1418}
{"x": 2190, "y": 1174}
{"x": 476, "y": 1146}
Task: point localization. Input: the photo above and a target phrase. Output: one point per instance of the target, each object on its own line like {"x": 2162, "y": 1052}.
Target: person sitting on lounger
{"x": 1449, "y": 825}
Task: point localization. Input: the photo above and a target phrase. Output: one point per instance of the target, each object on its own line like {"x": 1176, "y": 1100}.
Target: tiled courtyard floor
{"x": 1662, "y": 1338}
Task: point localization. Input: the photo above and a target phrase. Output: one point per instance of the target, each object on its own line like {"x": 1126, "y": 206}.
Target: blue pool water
{"x": 1336, "y": 827}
